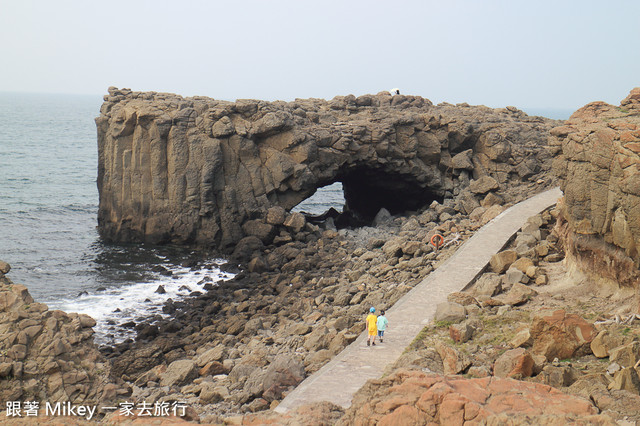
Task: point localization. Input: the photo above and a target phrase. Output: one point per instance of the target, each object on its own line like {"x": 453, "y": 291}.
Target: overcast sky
{"x": 554, "y": 54}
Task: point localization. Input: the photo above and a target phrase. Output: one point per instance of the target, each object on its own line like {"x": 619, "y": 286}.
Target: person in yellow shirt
{"x": 372, "y": 327}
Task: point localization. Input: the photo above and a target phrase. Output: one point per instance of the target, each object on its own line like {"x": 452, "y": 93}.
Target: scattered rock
{"x": 561, "y": 335}
{"x": 4, "y": 268}
{"x": 488, "y": 284}
{"x": 462, "y": 298}
{"x": 518, "y": 294}
{"x": 461, "y": 333}
{"x": 295, "y": 222}
{"x": 558, "y": 376}
{"x": 514, "y": 363}
{"x": 484, "y": 185}
{"x": 276, "y": 215}
{"x": 626, "y": 379}
{"x": 500, "y": 262}
{"x": 453, "y": 361}
{"x": 448, "y": 311}
{"x": 521, "y": 339}
{"x": 283, "y": 373}
{"x": 605, "y": 341}
{"x": 627, "y": 355}
{"x": 179, "y": 373}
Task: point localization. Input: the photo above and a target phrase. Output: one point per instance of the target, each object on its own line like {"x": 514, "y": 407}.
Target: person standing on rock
{"x": 382, "y": 325}
{"x": 372, "y": 321}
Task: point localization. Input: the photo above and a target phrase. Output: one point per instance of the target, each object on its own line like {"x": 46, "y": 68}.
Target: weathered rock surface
{"x": 515, "y": 363}
{"x": 561, "y": 335}
{"x": 197, "y": 170}
{"x": 414, "y": 397}
{"x": 598, "y": 162}
{"x": 47, "y": 355}
{"x": 318, "y": 414}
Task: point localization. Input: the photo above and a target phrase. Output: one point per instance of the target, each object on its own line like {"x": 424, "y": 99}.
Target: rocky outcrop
{"x": 414, "y": 397}
{"x": 197, "y": 170}
{"x": 47, "y": 355}
{"x": 598, "y": 162}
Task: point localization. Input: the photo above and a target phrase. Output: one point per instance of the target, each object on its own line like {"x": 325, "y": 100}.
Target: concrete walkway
{"x": 338, "y": 380}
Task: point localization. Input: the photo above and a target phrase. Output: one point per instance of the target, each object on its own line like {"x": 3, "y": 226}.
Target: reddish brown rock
{"x": 320, "y": 414}
{"x": 515, "y": 363}
{"x": 453, "y": 361}
{"x": 561, "y": 335}
{"x": 461, "y": 333}
{"x": 456, "y": 400}
{"x": 212, "y": 368}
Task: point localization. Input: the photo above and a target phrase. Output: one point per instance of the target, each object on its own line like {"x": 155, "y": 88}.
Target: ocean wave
{"x": 129, "y": 302}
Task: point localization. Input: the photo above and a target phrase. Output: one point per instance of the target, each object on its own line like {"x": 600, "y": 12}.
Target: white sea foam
{"x": 129, "y": 302}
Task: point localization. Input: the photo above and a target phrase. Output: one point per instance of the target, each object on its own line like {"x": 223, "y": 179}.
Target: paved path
{"x": 338, "y": 380}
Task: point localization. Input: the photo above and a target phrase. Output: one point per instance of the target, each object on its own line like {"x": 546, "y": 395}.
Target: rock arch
{"x": 197, "y": 170}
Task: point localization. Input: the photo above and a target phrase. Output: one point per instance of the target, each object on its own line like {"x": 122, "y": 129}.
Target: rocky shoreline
{"x": 242, "y": 344}
{"x": 529, "y": 343}
{"x": 265, "y": 331}
{"x": 491, "y": 330}
{"x": 541, "y": 319}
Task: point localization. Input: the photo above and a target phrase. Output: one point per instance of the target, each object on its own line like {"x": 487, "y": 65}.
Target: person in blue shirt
{"x": 382, "y": 325}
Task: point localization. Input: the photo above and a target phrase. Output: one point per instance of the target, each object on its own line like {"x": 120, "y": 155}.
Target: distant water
{"x": 48, "y": 211}
{"x": 48, "y": 218}
{"x": 324, "y": 198}
{"x": 554, "y": 113}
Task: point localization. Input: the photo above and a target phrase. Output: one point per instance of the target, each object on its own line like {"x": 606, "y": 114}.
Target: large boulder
{"x": 501, "y": 261}
{"x": 285, "y": 372}
{"x": 561, "y": 335}
{"x": 453, "y": 361}
{"x": 627, "y": 355}
{"x": 607, "y": 340}
{"x": 450, "y": 312}
{"x": 514, "y": 363}
{"x": 489, "y": 284}
{"x": 4, "y": 268}
{"x": 518, "y": 294}
{"x": 179, "y": 373}
{"x": 483, "y": 185}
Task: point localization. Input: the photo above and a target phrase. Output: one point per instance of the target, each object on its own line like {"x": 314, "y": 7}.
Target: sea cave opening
{"x": 356, "y": 196}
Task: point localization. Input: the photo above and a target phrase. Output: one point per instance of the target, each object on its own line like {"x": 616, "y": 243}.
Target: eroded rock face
{"x": 47, "y": 355}
{"x": 197, "y": 170}
{"x": 598, "y": 162}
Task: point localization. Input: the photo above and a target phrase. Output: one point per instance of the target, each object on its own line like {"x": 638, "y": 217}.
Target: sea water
{"x": 48, "y": 211}
{"x": 48, "y": 218}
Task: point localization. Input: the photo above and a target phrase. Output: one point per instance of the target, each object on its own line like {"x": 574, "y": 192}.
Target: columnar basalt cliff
{"x": 598, "y": 163}
{"x": 202, "y": 171}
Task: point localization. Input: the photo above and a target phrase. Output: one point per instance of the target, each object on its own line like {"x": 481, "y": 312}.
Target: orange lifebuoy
{"x": 440, "y": 239}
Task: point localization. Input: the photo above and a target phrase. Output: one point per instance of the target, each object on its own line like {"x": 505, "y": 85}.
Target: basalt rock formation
{"x": 47, "y": 355}
{"x": 598, "y": 162}
{"x": 202, "y": 171}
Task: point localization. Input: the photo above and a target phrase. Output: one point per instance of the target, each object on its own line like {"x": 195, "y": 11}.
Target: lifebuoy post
{"x": 437, "y": 240}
